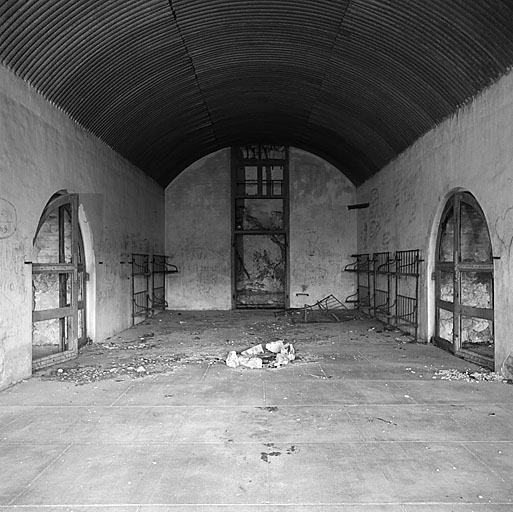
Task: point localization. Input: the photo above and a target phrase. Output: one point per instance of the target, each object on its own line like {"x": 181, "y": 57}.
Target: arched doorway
{"x": 464, "y": 282}
{"x": 58, "y": 284}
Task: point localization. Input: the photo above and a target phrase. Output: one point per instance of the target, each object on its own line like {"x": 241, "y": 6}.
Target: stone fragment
{"x": 249, "y": 357}
{"x": 275, "y": 346}
{"x": 253, "y": 362}
{"x": 253, "y": 351}
{"x": 289, "y": 351}
{"x": 281, "y": 360}
{"x": 232, "y": 360}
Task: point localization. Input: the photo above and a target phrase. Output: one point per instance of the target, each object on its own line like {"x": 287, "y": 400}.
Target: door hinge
{"x": 87, "y": 277}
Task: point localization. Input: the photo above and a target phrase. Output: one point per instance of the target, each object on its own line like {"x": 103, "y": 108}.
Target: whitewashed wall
{"x": 198, "y": 232}
{"x": 472, "y": 151}
{"x": 322, "y": 230}
{"x": 198, "y": 235}
{"x": 121, "y": 211}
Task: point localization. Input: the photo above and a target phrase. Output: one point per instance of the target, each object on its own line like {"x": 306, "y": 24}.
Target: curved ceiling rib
{"x": 165, "y": 82}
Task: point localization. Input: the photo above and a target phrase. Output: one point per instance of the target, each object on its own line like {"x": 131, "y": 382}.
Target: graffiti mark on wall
{"x": 385, "y": 239}
{"x": 374, "y": 213}
{"x": 7, "y": 219}
{"x": 12, "y": 276}
{"x": 405, "y": 199}
{"x": 313, "y": 246}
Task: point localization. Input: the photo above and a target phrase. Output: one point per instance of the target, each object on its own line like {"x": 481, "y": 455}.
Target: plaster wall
{"x": 198, "y": 235}
{"x": 322, "y": 230}
{"x": 42, "y": 151}
{"x": 198, "y": 232}
{"x": 471, "y": 151}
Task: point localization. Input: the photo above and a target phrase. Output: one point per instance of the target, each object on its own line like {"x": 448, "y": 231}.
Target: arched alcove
{"x": 464, "y": 298}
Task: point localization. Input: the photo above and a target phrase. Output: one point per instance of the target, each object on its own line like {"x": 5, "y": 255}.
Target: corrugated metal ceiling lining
{"x": 165, "y": 82}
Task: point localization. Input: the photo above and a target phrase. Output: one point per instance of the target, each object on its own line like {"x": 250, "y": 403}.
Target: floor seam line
{"x": 476, "y": 456}
{"x": 402, "y": 390}
{"x": 15, "y": 420}
{"x": 205, "y": 372}
{"x": 122, "y": 395}
{"x": 38, "y": 476}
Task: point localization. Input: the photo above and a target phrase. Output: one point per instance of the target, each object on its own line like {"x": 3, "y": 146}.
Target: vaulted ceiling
{"x": 165, "y": 82}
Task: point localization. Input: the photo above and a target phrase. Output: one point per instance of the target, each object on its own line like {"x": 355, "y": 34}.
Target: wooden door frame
{"x": 76, "y": 270}
{"x": 260, "y": 163}
{"x": 457, "y": 267}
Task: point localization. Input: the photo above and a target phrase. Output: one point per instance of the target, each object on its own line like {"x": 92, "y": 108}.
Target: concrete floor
{"x": 361, "y": 423}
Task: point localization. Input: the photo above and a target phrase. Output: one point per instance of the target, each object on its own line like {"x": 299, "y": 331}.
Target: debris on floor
{"x": 128, "y": 368}
{"x": 275, "y": 354}
{"x": 328, "y": 309}
{"x": 468, "y": 376}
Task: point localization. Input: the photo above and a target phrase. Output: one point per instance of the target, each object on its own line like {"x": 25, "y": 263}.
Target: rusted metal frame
{"x": 406, "y": 311}
{"x": 158, "y": 270}
{"x": 140, "y": 264}
{"x": 140, "y": 301}
{"x": 406, "y": 306}
{"x": 140, "y": 275}
{"x": 407, "y": 262}
{"x": 156, "y": 302}
{"x": 330, "y": 305}
{"x": 362, "y": 266}
{"x": 381, "y": 305}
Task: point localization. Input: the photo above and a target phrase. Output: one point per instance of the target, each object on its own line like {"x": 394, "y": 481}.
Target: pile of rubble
{"x": 469, "y": 376}
{"x": 276, "y": 354}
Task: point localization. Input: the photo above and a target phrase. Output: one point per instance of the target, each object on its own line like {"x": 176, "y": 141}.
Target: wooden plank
{"x": 44, "y": 268}
{"x": 50, "y": 314}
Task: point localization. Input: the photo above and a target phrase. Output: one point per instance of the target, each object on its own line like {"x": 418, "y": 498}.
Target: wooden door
{"x": 58, "y": 284}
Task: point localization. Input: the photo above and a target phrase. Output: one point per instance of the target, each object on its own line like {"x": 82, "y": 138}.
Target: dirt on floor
{"x": 173, "y": 339}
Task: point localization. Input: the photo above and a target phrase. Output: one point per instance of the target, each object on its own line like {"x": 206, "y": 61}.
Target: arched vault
{"x": 165, "y": 82}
